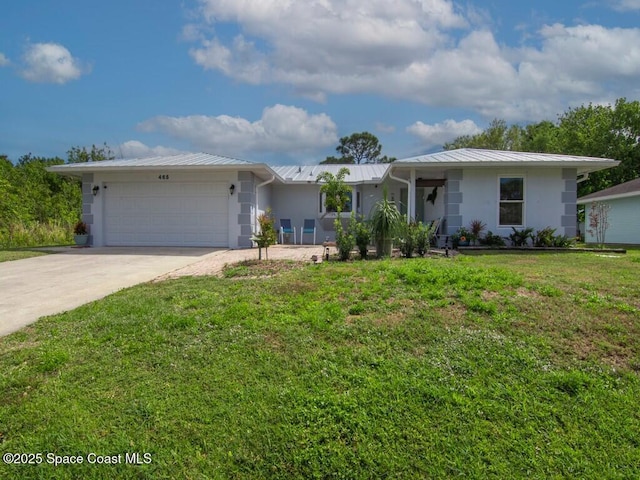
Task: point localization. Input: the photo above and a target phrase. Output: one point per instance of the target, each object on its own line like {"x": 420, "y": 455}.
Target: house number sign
{"x": 163, "y": 177}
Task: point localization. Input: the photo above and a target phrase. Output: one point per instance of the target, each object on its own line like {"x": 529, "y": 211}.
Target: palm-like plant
{"x": 385, "y": 221}
{"x": 335, "y": 189}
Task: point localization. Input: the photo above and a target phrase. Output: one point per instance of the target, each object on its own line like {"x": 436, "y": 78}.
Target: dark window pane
{"x": 349, "y": 205}
{"x": 511, "y": 214}
{"x": 511, "y": 189}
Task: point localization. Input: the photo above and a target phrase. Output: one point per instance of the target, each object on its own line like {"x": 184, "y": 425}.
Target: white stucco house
{"x": 208, "y": 200}
{"x": 623, "y": 216}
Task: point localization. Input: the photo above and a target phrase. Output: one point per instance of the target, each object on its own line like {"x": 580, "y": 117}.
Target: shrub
{"x": 407, "y": 238}
{"x": 492, "y": 240}
{"x": 267, "y": 235}
{"x": 80, "y": 228}
{"x": 345, "y": 240}
{"x": 544, "y": 237}
{"x": 362, "y": 235}
{"x": 476, "y": 227}
{"x": 519, "y": 238}
{"x": 424, "y": 235}
{"x": 563, "y": 241}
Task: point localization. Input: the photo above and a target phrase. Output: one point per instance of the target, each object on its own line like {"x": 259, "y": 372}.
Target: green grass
{"x": 9, "y": 255}
{"x": 497, "y": 366}
{"x": 36, "y": 234}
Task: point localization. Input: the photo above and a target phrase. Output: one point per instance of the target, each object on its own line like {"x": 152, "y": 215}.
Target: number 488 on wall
{"x": 163, "y": 177}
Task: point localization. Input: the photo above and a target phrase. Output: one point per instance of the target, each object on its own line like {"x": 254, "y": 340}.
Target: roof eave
{"x": 583, "y": 167}
{"x": 589, "y": 199}
{"x": 73, "y": 170}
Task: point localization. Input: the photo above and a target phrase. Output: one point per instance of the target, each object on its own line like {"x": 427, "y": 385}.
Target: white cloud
{"x": 427, "y": 51}
{"x": 625, "y": 5}
{"x": 136, "y": 149}
{"x": 441, "y": 133}
{"x": 4, "y": 61}
{"x": 51, "y": 63}
{"x": 282, "y": 129}
{"x": 385, "y": 128}
{"x": 309, "y": 43}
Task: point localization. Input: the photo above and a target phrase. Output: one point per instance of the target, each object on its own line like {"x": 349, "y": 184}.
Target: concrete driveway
{"x": 50, "y": 284}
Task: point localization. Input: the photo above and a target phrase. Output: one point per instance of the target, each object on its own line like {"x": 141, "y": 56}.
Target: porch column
{"x": 411, "y": 195}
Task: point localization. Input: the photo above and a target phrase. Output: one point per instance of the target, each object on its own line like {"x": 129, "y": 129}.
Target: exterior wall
{"x": 264, "y": 202}
{"x": 246, "y": 218}
{"x": 624, "y": 227}
{"x": 93, "y": 207}
{"x": 550, "y": 198}
{"x": 298, "y": 202}
{"x": 569, "y": 201}
{"x": 89, "y": 205}
{"x": 453, "y": 200}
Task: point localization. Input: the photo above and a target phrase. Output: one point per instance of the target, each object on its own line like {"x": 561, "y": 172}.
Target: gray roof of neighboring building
{"x": 627, "y": 189}
{"x": 370, "y": 173}
{"x": 474, "y": 156}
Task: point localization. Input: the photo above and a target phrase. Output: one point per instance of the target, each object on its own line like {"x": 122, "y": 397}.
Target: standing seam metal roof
{"x": 309, "y": 173}
{"x": 480, "y": 156}
{"x": 181, "y": 160}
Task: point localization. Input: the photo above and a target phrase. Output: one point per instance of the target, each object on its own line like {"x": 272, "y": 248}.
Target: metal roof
{"x": 472, "y": 156}
{"x": 627, "y": 189}
{"x": 366, "y": 173}
{"x": 180, "y": 160}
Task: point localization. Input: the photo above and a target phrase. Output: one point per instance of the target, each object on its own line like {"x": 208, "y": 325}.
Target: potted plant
{"x": 462, "y": 238}
{"x": 81, "y": 233}
{"x": 384, "y": 222}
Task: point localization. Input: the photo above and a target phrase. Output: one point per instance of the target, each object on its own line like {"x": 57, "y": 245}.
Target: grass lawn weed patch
{"x": 478, "y": 367}
{"x": 9, "y": 255}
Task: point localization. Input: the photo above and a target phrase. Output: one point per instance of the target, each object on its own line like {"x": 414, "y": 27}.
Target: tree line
{"x": 605, "y": 131}
{"x": 36, "y": 203}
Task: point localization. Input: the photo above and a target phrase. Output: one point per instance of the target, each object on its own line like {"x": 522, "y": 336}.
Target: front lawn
{"x": 9, "y": 255}
{"x": 497, "y": 366}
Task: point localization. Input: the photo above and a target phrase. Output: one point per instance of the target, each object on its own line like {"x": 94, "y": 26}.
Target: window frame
{"x": 354, "y": 194}
{"x": 522, "y": 202}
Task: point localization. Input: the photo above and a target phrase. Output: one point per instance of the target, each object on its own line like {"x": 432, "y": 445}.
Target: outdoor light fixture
{"x": 232, "y": 189}
{"x": 96, "y": 189}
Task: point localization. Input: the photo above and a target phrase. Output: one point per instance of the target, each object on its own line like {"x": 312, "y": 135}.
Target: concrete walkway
{"x": 50, "y": 284}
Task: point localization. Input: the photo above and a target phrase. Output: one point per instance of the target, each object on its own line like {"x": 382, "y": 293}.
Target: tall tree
{"x": 96, "y": 154}
{"x": 604, "y": 131}
{"x": 363, "y": 147}
{"x": 497, "y": 136}
{"x": 592, "y": 130}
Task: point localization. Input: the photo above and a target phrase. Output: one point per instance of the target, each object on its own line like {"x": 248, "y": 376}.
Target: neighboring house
{"x": 208, "y": 200}
{"x": 624, "y": 219}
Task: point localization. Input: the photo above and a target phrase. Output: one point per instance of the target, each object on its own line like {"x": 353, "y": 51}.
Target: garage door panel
{"x": 166, "y": 214}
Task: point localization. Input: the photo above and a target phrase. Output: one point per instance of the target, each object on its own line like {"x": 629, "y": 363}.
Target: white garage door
{"x": 166, "y": 214}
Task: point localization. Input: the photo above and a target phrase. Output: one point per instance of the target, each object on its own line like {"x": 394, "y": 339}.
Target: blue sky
{"x": 280, "y": 81}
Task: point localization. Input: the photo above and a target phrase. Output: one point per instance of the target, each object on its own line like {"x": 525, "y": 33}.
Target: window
{"x": 348, "y": 206}
{"x": 511, "y": 202}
